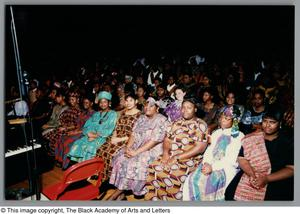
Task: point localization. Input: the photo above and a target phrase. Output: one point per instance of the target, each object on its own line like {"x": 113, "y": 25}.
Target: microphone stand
{"x": 33, "y": 176}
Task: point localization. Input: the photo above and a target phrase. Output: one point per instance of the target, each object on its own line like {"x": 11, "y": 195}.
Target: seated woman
{"x": 66, "y": 141}
{"x": 141, "y": 94}
{"x": 51, "y": 128}
{"x": 95, "y": 131}
{"x": 252, "y": 117}
{"x": 182, "y": 149}
{"x": 219, "y": 165}
{"x": 230, "y": 101}
{"x": 173, "y": 111}
{"x": 267, "y": 162}
{"x": 209, "y": 108}
{"x": 144, "y": 145}
{"x": 121, "y": 134}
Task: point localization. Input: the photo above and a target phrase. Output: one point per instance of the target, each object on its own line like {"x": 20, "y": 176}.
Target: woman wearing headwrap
{"x": 219, "y": 165}
{"x": 267, "y": 162}
{"x": 95, "y": 130}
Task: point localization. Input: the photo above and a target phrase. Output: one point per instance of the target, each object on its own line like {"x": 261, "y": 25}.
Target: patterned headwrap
{"x": 234, "y": 113}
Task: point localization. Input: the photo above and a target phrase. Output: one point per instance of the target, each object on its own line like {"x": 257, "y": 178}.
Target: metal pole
{"x": 33, "y": 175}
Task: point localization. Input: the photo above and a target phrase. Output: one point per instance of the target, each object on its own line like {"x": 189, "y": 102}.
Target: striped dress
{"x": 256, "y": 153}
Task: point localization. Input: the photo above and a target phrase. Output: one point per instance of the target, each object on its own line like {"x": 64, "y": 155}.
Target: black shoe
{"x": 139, "y": 197}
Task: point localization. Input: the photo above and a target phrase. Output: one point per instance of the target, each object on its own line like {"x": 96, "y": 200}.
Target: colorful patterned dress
{"x": 68, "y": 118}
{"x": 102, "y": 123}
{"x": 222, "y": 156}
{"x": 255, "y": 151}
{"x": 108, "y": 150}
{"x": 66, "y": 141}
{"x": 131, "y": 173}
{"x": 166, "y": 183}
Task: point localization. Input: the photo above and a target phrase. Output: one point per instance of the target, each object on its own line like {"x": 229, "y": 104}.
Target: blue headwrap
{"x": 104, "y": 95}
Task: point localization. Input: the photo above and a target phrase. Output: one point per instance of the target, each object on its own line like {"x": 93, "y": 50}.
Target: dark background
{"x": 57, "y": 39}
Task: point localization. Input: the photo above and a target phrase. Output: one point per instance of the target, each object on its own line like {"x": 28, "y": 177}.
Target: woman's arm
{"x": 246, "y": 167}
{"x": 197, "y": 149}
{"x": 92, "y": 135}
{"x": 115, "y": 140}
{"x": 284, "y": 173}
{"x": 130, "y": 141}
{"x": 166, "y": 150}
{"x": 147, "y": 146}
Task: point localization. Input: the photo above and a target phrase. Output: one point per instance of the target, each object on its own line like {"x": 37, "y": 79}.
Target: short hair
{"x": 90, "y": 97}
{"x": 275, "y": 112}
{"x": 181, "y": 87}
{"x": 192, "y": 100}
{"x": 209, "y": 90}
{"x": 161, "y": 86}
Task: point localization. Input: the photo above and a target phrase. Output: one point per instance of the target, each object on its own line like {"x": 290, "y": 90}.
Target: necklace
{"x": 102, "y": 118}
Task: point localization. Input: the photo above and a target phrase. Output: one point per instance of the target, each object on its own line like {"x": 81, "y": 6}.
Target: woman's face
{"x": 258, "y": 100}
{"x": 206, "y": 96}
{"x": 179, "y": 94}
{"x": 160, "y": 92}
{"x": 270, "y": 126}
{"x": 225, "y": 122}
{"x": 186, "y": 79}
{"x": 130, "y": 103}
{"x": 230, "y": 99}
{"x": 73, "y": 101}
{"x": 206, "y": 81}
{"x": 140, "y": 92}
{"x": 120, "y": 91}
{"x": 87, "y": 104}
{"x": 171, "y": 80}
{"x": 188, "y": 110}
{"x": 139, "y": 80}
{"x": 52, "y": 94}
{"x": 104, "y": 104}
{"x": 150, "y": 110}
{"x": 59, "y": 99}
